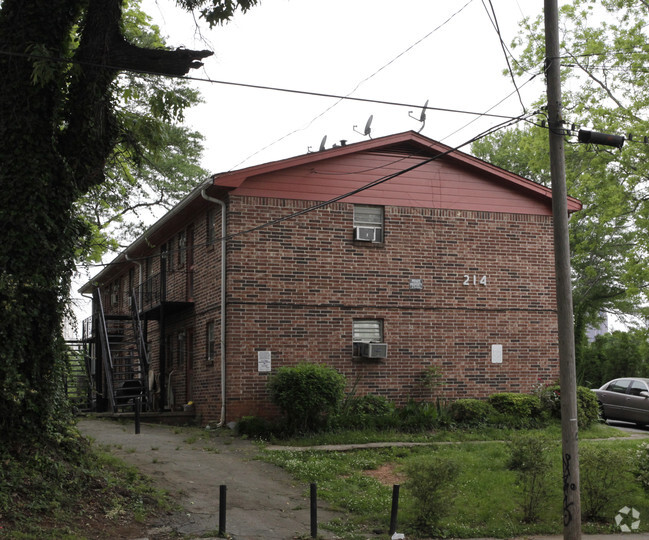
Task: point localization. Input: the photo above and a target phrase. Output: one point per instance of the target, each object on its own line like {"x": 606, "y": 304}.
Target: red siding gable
{"x": 455, "y": 181}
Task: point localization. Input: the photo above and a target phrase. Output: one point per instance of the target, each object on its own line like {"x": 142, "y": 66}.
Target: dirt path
{"x": 262, "y": 500}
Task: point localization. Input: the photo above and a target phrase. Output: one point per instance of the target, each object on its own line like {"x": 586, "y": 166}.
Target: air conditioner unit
{"x": 373, "y": 350}
{"x": 367, "y": 234}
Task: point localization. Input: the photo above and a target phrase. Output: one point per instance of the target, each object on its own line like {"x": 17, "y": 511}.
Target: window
{"x": 211, "y": 343}
{"x": 637, "y": 387}
{"x": 182, "y": 248}
{"x": 619, "y": 386}
{"x": 211, "y": 224}
{"x": 114, "y": 294}
{"x": 368, "y": 223}
{"x": 367, "y": 331}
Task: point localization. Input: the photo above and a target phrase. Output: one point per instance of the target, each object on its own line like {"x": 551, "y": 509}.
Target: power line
{"x": 256, "y": 86}
{"x": 494, "y": 23}
{"x": 322, "y": 204}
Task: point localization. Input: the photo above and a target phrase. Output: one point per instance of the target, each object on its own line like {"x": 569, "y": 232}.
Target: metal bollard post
{"x": 314, "y": 511}
{"x": 222, "y": 504}
{"x": 395, "y": 509}
{"x": 137, "y": 405}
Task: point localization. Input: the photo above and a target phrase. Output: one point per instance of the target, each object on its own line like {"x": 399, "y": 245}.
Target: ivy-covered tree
{"x": 605, "y": 76}
{"x": 59, "y": 128}
{"x": 156, "y": 160}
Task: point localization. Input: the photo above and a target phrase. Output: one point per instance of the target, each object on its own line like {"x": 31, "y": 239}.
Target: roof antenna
{"x": 422, "y": 116}
{"x": 368, "y": 127}
{"x": 322, "y": 146}
{"x": 322, "y": 143}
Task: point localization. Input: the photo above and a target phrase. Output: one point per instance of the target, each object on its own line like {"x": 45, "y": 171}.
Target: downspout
{"x": 223, "y": 276}
{"x": 140, "y": 284}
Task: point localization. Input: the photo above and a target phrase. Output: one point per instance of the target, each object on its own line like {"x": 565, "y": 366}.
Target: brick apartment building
{"x": 384, "y": 259}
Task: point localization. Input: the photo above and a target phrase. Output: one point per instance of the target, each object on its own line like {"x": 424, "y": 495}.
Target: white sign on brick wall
{"x": 496, "y": 354}
{"x": 264, "y": 361}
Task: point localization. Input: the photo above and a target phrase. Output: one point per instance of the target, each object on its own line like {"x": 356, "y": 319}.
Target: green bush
{"x": 365, "y": 412}
{"x": 530, "y": 458}
{"x": 370, "y": 405}
{"x": 587, "y": 408}
{"x": 307, "y": 394}
{"x": 642, "y": 466}
{"x": 255, "y": 427}
{"x": 600, "y": 483}
{"x": 422, "y": 416}
{"x": 514, "y": 404}
{"x": 430, "y": 483}
{"x": 471, "y": 411}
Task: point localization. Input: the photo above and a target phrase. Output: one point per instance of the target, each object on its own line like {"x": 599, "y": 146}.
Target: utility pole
{"x": 567, "y": 377}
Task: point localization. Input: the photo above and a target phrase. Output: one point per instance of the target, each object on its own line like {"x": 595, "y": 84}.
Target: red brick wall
{"x": 295, "y": 288}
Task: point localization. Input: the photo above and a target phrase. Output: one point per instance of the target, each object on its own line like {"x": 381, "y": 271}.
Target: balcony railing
{"x": 167, "y": 287}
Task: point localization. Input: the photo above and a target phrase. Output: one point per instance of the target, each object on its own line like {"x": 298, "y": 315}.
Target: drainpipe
{"x": 139, "y": 266}
{"x": 223, "y": 276}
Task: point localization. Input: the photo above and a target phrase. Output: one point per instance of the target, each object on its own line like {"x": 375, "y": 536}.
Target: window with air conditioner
{"x": 367, "y": 336}
{"x": 368, "y": 223}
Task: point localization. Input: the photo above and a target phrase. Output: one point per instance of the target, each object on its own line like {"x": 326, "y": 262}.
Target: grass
{"x": 597, "y": 431}
{"x": 486, "y": 498}
{"x": 70, "y": 491}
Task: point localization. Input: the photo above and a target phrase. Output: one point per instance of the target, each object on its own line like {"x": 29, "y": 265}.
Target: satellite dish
{"x": 322, "y": 144}
{"x": 422, "y": 116}
{"x": 368, "y": 127}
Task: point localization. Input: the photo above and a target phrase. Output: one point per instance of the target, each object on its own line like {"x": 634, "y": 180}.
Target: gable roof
{"x": 401, "y": 153}
{"x": 414, "y": 150}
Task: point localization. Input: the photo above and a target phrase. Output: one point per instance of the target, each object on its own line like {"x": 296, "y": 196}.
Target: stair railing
{"x": 142, "y": 352}
{"x": 105, "y": 348}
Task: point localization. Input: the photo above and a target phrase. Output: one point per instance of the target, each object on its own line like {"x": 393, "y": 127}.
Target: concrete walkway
{"x": 263, "y": 502}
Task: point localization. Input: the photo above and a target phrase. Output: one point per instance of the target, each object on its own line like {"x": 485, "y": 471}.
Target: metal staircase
{"x": 77, "y": 377}
{"x": 124, "y": 358}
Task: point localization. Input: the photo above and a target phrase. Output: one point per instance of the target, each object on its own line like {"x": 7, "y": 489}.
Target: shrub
{"x": 366, "y": 412}
{"x": 306, "y": 394}
{"x": 422, "y": 416}
{"x": 587, "y": 408}
{"x": 471, "y": 411}
{"x": 519, "y": 405}
{"x": 529, "y": 457}
{"x": 370, "y": 405}
{"x": 642, "y": 466}
{"x": 255, "y": 427}
{"x": 430, "y": 482}
{"x": 600, "y": 483}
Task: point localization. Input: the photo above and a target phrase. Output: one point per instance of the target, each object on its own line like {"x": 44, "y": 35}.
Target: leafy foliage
{"x": 599, "y": 482}
{"x": 430, "y": 482}
{"x": 524, "y": 405}
{"x": 529, "y": 458}
{"x": 306, "y": 394}
{"x": 67, "y": 122}
{"x": 471, "y": 411}
{"x": 604, "y": 81}
{"x": 613, "y": 355}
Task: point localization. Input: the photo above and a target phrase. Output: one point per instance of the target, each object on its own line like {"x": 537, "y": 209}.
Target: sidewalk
{"x": 263, "y": 502}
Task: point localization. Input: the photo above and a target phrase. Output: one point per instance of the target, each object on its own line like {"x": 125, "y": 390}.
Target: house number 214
{"x": 475, "y": 280}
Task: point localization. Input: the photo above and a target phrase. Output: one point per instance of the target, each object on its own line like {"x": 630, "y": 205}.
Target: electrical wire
{"x": 333, "y": 200}
{"x": 259, "y": 86}
{"x": 506, "y": 52}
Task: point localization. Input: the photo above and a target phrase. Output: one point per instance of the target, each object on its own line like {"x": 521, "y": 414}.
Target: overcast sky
{"x": 408, "y": 52}
{"x": 405, "y": 52}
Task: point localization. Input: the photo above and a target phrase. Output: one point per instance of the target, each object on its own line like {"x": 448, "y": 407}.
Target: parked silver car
{"x": 625, "y": 399}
